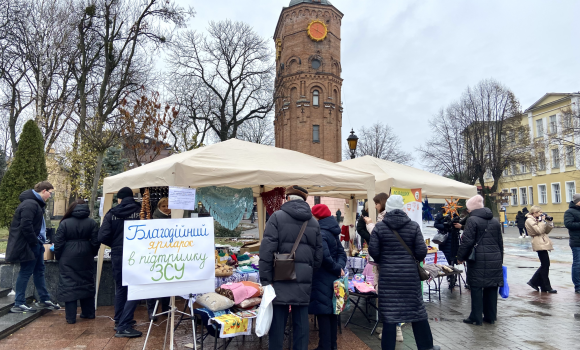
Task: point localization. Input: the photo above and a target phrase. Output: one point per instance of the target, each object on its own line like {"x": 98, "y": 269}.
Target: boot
{"x": 399, "y": 334}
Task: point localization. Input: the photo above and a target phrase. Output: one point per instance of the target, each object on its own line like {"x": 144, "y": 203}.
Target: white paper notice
{"x": 101, "y": 206}
{"x": 182, "y": 198}
{"x": 168, "y": 251}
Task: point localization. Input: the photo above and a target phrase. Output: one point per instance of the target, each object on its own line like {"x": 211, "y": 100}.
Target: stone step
{"x": 10, "y": 322}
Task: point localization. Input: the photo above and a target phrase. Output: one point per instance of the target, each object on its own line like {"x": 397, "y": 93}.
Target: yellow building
{"x": 552, "y": 182}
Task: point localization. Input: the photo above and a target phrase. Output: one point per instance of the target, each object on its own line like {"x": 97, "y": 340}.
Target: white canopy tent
{"x": 239, "y": 164}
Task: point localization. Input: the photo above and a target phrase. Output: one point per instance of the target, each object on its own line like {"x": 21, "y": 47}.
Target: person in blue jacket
{"x": 333, "y": 263}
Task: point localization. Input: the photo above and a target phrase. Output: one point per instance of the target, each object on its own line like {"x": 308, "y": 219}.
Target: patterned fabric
{"x": 232, "y": 326}
{"x": 237, "y": 277}
{"x": 273, "y": 199}
{"x": 227, "y": 205}
{"x": 356, "y": 263}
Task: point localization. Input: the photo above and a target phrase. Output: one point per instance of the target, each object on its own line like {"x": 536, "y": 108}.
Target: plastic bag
{"x": 505, "y": 290}
{"x": 265, "y": 312}
{"x": 439, "y": 238}
{"x": 340, "y": 294}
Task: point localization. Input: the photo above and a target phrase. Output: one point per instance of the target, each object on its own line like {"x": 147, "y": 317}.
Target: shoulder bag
{"x": 471, "y": 256}
{"x": 284, "y": 268}
{"x": 423, "y": 275}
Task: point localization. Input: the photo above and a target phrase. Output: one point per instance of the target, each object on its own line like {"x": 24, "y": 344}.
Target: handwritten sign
{"x": 182, "y": 198}
{"x": 168, "y": 251}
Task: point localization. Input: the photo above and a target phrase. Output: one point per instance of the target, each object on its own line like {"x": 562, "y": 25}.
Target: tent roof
{"x": 390, "y": 174}
{"x": 239, "y": 164}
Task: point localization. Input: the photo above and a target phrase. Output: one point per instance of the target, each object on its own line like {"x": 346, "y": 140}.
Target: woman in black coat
{"x": 333, "y": 263}
{"x": 521, "y": 224}
{"x": 361, "y": 225}
{"x": 75, "y": 247}
{"x": 400, "y": 296}
{"x": 485, "y": 274}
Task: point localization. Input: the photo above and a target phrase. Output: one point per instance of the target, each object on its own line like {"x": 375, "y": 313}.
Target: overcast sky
{"x": 402, "y": 61}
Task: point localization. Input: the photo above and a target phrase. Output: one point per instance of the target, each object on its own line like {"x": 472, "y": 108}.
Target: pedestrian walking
{"x": 333, "y": 263}
{"x": 161, "y": 212}
{"x": 572, "y": 223}
{"x": 400, "y": 295}
{"x": 111, "y": 234}
{"x": 539, "y": 225}
{"x": 338, "y": 216}
{"x": 26, "y": 238}
{"x": 253, "y": 214}
{"x": 75, "y": 246}
{"x": 482, "y": 234}
{"x": 282, "y": 230}
{"x": 521, "y": 224}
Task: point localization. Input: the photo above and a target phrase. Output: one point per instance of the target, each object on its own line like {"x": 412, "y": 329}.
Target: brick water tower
{"x": 308, "y": 116}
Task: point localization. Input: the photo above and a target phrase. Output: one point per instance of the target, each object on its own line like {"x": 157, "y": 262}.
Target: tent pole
{"x": 108, "y": 198}
{"x": 261, "y": 214}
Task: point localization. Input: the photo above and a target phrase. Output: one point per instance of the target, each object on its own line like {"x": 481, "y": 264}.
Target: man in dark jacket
{"x": 485, "y": 274}
{"x": 280, "y": 234}
{"x": 111, "y": 234}
{"x": 572, "y": 223}
{"x": 361, "y": 225}
{"x": 26, "y": 246}
{"x": 333, "y": 263}
{"x": 521, "y": 224}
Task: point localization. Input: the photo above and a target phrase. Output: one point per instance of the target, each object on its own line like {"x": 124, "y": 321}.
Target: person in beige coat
{"x": 538, "y": 228}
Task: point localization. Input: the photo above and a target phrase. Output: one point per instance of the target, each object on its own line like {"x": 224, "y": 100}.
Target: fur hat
{"x": 124, "y": 193}
{"x": 321, "y": 211}
{"x": 475, "y": 202}
{"x": 394, "y": 202}
{"x": 297, "y": 191}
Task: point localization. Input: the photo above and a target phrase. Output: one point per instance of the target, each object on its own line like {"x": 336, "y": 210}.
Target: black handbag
{"x": 471, "y": 256}
{"x": 284, "y": 267}
{"x": 423, "y": 274}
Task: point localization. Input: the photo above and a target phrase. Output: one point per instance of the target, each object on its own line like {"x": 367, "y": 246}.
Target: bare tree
{"x": 381, "y": 142}
{"x": 259, "y": 131}
{"x": 233, "y": 72}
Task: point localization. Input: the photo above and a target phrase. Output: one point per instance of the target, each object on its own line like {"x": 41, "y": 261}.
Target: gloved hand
{"x": 52, "y": 248}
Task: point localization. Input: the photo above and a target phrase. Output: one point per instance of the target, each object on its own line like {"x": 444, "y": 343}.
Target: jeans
{"x": 300, "y": 327}
{"x": 421, "y": 331}
{"x": 541, "y": 277}
{"x": 576, "y": 268}
{"x": 36, "y": 268}
{"x": 483, "y": 302}
{"x": 124, "y": 309}
{"x": 87, "y": 308}
{"x": 327, "y": 331}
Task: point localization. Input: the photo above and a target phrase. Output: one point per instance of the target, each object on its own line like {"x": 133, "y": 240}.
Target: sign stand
{"x": 171, "y": 316}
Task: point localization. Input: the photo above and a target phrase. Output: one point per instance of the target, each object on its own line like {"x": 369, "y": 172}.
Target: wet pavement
{"x": 527, "y": 320}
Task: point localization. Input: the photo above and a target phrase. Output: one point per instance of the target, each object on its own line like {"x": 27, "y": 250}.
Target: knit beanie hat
{"x": 394, "y": 202}
{"x": 321, "y": 211}
{"x": 124, "y": 193}
{"x": 297, "y": 191}
{"x": 475, "y": 202}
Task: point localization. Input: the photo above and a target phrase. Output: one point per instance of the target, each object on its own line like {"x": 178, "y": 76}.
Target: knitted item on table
{"x": 227, "y": 205}
{"x": 273, "y": 199}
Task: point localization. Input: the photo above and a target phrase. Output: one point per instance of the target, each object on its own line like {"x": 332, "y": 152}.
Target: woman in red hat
{"x": 332, "y": 268}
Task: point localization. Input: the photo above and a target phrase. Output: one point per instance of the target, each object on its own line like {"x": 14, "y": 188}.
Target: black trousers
{"x": 483, "y": 302}
{"x": 523, "y": 231}
{"x": 300, "y": 327}
{"x": 421, "y": 331}
{"x": 162, "y": 307}
{"x": 541, "y": 278}
{"x": 327, "y": 332}
{"x": 124, "y": 309}
{"x": 87, "y": 308}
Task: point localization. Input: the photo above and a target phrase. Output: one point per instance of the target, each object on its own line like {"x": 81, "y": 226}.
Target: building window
{"x": 514, "y": 169}
{"x": 523, "y": 196}
{"x": 570, "y": 190}
{"x": 315, "y": 133}
{"x": 553, "y": 124}
{"x": 569, "y": 155}
{"x": 541, "y": 161}
{"x": 555, "y": 158}
{"x": 505, "y": 172}
{"x": 566, "y": 122}
{"x": 487, "y": 174}
{"x": 524, "y": 169}
{"x": 514, "y": 196}
{"x": 543, "y": 196}
{"x": 556, "y": 197}
{"x": 530, "y": 195}
{"x": 316, "y": 200}
{"x": 540, "y": 127}
{"x": 315, "y": 96}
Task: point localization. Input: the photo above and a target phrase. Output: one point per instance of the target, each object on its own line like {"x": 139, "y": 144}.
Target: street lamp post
{"x": 352, "y": 141}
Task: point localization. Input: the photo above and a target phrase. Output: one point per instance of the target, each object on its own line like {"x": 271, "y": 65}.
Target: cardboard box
{"x": 48, "y": 254}
{"x": 251, "y": 247}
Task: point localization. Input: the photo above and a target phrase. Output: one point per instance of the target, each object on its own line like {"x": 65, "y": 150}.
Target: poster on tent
{"x": 413, "y": 203}
{"x": 165, "y": 257}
